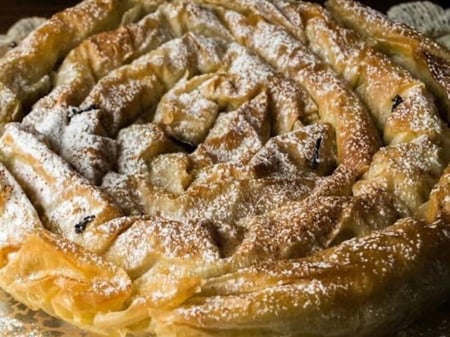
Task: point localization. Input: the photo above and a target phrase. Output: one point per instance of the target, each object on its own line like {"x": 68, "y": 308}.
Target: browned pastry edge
{"x": 25, "y": 70}
{"x": 204, "y": 290}
{"x": 354, "y": 289}
{"x": 424, "y": 57}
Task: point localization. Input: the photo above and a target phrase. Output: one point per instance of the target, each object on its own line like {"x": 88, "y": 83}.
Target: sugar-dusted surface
{"x": 422, "y": 56}
{"x": 26, "y": 69}
{"x": 139, "y": 144}
{"x": 151, "y": 239}
{"x": 293, "y": 58}
{"x": 407, "y": 170}
{"x": 377, "y": 79}
{"x": 60, "y": 195}
{"x": 18, "y": 216}
{"x": 275, "y": 298}
{"x": 84, "y": 280}
{"x": 237, "y": 148}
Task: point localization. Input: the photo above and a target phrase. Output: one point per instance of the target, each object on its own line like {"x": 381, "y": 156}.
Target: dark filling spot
{"x": 76, "y": 111}
{"x": 81, "y": 226}
{"x": 315, "y": 158}
{"x": 188, "y": 147}
{"x": 12, "y": 44}
{"x": 396, "y": 101}
{"x": 72, "y": 111}
{"x": 88, "y": 108}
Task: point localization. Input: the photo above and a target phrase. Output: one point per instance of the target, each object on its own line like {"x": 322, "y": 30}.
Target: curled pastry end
{"x": 56, "y": 275}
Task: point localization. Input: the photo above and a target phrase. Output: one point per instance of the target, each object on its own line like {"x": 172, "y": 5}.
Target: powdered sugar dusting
{"x": 150, "y": 239}
{"x": 230, "y": 135}
{"x": 61, "y": 196}
{"x": 294, "y": 291}
{"x": 17, "y": 213}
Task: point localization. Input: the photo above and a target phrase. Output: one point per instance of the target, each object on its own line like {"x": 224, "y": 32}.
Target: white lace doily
{"x": 16, "y": 320}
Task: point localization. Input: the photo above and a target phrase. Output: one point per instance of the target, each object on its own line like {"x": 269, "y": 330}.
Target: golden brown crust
{"x": 19, "y": 31}
{"x": 81, "y": 284}
{"x": 336, "y": 104}
{"x": 269, "y": 10}
{"x": 151, "y": 239}
{"x": 400, "y": 104}
{"x": 299, "y": 229}
{"x": 408, "y": 171}
{"x": 341, "y": 289}
{"x": 25, "y": 70}
{"x": 439, "y": 204}
{"x": 422, "y": 56}
{"x": 66, "y": 202}
{"x": 376, "y": 78}
{"x": 134, "y": 89}
{"x": 329, "y": 93}
{"x": 97, "y": 56}
{"x": 240, "y": 140}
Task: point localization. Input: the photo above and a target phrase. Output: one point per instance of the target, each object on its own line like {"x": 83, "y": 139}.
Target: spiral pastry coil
{"x": 226, "y": 168}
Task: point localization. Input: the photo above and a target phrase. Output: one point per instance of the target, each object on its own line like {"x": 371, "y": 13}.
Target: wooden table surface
{"x": 11, "y": 11}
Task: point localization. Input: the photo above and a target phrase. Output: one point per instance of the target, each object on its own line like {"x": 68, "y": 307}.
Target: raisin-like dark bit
{"x": 89, "y": 108}
{"x": 12, "y": 44}
{"x": 76, "y": 111}
{"x": 396, "y": 101}
{"x": 81, "y": 226}
{"x": 315, "y": 158}
{"x": 187, "y": 146}
{"x": 72, "y": 111}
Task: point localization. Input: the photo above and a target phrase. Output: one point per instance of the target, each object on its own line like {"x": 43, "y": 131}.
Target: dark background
{"x": 11, "y": 11}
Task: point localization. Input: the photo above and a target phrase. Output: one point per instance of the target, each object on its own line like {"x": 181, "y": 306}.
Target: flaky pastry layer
{"x": 213, "y": 168}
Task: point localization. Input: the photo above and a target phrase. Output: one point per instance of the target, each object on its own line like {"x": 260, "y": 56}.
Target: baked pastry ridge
{"x": 422, "y": 56}
{"x": 25, "y": 70}
{"x": 317, "y": 287}
{"x": 249, "y": 168}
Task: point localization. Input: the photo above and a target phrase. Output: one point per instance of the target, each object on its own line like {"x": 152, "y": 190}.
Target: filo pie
{"x": 226, "y": 168}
